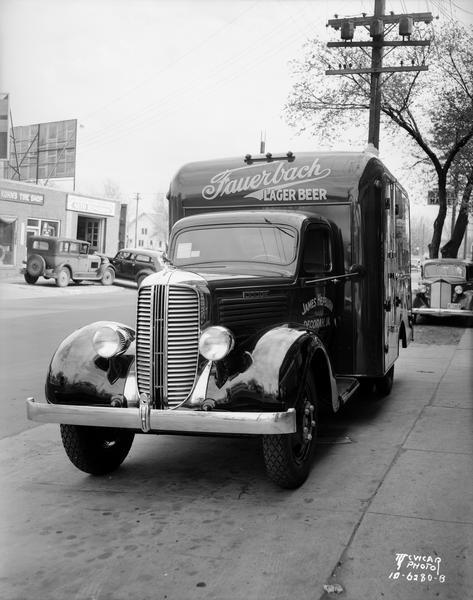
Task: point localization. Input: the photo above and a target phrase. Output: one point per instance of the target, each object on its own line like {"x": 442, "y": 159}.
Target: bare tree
{"x": 413, "y": 104}
{"x": 111, "y": 189}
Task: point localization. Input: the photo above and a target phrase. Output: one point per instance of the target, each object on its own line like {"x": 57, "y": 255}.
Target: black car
{"x": 136, "y": 264}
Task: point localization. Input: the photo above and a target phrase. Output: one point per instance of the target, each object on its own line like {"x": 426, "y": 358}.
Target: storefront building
{"x": 28, "y": 209}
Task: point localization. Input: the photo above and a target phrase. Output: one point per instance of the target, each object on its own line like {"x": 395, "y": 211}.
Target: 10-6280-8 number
{"x": 421, "y": 577}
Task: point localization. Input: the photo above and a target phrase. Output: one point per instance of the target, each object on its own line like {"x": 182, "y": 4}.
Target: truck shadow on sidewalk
{"x": 179, "y": 465}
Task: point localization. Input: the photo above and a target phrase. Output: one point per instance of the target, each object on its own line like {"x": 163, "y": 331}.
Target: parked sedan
{"x": 64, "y": 259}
{"x": 445, "y": 288}
{"x": 136, "y": 264}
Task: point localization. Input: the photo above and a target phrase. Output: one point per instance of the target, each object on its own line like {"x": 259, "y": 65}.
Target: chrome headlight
{"x": 110, "y": 340}
{"x": 216, "y": 342}
{"x": 458, "y": 290}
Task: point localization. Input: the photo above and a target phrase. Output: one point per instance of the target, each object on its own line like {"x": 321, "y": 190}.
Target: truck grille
{"x": 440, "y": 294}
{"x": 247, "y": 315}
{"x": 167, "y": 340}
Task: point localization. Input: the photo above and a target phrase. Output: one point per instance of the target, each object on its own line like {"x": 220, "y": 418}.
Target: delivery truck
{"x": 285, "y": 290}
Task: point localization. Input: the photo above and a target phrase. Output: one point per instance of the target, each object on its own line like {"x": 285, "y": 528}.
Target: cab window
{"x": 143, "y": 258}
{"x": 316, "y": 257}
{"x": 84, "y": 248}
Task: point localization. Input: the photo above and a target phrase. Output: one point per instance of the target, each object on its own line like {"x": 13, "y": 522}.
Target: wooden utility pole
{"x": 136, "y": 219}
{"x": 377, "y": 25}
{"x": 377, "y": 31}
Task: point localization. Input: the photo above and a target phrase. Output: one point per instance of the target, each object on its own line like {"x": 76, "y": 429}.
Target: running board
{"x": 346, "y": 387}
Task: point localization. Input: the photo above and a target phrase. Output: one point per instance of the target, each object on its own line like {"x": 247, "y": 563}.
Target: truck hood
{"x": 221, "y": 276}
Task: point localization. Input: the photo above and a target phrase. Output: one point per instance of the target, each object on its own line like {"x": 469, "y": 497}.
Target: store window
{"x": 42, "y": 227}
{"x": 7, "y": 240}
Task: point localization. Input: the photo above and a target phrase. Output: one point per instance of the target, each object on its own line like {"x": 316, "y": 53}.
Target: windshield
{"x": 447, "y": 271}
{"x": 250, "y": 243}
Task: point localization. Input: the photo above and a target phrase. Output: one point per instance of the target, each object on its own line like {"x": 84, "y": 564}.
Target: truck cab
{"x": 286, "y": 287}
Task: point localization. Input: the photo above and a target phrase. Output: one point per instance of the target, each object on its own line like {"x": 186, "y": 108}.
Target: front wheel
{"x": 108, "y": 277}
{"x": 288, "y": 457}
{"x": 63, "y": 278}
{"x": 30, "y": 279}
{"x": 96, "y": 450}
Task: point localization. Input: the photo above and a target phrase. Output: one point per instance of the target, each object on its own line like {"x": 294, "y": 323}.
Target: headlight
{"x": 458, "y": 289}
{"x": 109, "y": 341}
{"x": 216, "y": 342}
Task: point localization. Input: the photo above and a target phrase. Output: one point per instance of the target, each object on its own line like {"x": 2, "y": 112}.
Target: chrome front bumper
{"x": 148, "y": 419}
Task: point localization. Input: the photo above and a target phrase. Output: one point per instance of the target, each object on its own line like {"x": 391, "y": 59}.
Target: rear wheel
{"x": 96, "y": 450}
{"x": 63, "y": 278}
{"x": 140, "y": 278}
{"x": 288, "y": 457}
{"x": 108, "y": 277}
{"x": 31, "y": 279}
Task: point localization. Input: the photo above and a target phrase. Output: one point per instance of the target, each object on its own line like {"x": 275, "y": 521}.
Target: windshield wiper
{"x": 290, "y": 234}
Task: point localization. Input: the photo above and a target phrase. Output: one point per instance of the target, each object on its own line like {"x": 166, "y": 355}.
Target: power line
{"x": 469, "y": 12}
{"x": 144, "y": 118}
{"x": 172, "y": 63}
{"x": 157, "y": 105}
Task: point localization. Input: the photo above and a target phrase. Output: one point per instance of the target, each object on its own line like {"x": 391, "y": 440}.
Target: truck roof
{"x": 206, "y": 179}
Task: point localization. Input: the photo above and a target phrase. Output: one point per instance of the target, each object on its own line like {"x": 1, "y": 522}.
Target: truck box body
{"x": 358, "y": 194}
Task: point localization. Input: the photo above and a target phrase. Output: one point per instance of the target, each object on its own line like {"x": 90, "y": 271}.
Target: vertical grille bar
{"x": 159, "y": 345}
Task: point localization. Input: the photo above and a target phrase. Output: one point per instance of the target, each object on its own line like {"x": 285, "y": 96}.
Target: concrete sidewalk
{"x": 415, "y": 538}
{"x": 389, "y": 500}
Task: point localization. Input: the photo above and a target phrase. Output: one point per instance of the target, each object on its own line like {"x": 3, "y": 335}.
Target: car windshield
{"x": 268, "y": 244}
{"x": 447, "y": 271}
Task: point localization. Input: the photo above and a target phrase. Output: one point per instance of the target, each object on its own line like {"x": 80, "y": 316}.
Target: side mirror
{"x": 164, "y": 260}
{"x": 357, "y": 269}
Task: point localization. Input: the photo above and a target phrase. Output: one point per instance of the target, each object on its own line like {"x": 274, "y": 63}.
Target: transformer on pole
{"x": 376, "y": 25}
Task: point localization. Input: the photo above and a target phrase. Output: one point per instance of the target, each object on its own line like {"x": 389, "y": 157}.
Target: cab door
{"x": 317, "y": 303}
{"x": 390, "y": 303}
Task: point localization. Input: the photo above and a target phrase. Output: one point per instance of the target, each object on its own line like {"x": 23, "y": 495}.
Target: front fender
{"x": 276, "y": 368}
{"x": 77, "y": 375}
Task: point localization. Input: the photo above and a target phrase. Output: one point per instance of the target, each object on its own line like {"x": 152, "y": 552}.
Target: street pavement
{"x": 387, "y": 512}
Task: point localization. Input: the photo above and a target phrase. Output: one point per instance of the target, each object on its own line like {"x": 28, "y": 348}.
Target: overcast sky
{"x": 157, "y": 83}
